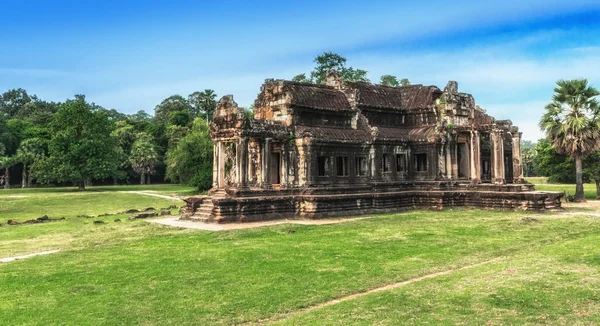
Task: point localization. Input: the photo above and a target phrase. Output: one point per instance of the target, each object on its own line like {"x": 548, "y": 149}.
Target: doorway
{"x": 275, "y": 168}
{"x": 463, "y": 160}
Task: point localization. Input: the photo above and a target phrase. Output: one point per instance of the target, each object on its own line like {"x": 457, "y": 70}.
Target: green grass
{"x": 541, "y": 183}
{"x": 165, "y": 189}
{"x": 74, "y": 232}
{"x": 134, "y": 272}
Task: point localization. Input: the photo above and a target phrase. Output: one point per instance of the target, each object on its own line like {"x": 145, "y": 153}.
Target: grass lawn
{"x": 74, "y": 232}
{"x": 541, "y": 183}
{"x": 544, "y": 271}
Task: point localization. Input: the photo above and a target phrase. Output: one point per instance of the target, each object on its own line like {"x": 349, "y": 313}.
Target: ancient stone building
{"x": 347, "y": 148}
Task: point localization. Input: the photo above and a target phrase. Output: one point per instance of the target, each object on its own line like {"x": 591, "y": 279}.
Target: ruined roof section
{"x": 335, "y": 134}
{"x": 317, "y": 96}
{"x": 398, "y": 98}
{"x": 422, "y": 134}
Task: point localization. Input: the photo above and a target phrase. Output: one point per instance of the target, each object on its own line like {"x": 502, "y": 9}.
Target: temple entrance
{"x": 275, "y": 168}
{"x": 486, "y": 158}
{"x": 508, "y": 168}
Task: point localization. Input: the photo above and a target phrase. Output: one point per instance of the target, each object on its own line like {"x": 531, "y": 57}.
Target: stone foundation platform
{"x": 313, "y": 203}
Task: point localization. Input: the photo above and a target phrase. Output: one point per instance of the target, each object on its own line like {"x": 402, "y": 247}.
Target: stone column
{"x": 441, "y": 160}
{"x": 221, "y": 164}
{"x": 215, "y": 182}
{"x": 308, "y": 164}
{"x": 373, "y": 162}
{"x": 284, "y": 165}
{"x": 242, "y": 163}
{"x": 455, "y": 157}
{"x": 475, "y": 148}
{"x": 448, "y": 157}
{"x": 516, "y": 150}
{"x": 266, "y": 160}
{"x": 497, "y": 156}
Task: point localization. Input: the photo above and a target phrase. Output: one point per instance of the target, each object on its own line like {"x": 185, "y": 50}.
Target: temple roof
{"x": 399, "y": 98}
{"x": 317, "y": 96}
{"x": 424, "y": 133}
{"x": 335, "y": 134}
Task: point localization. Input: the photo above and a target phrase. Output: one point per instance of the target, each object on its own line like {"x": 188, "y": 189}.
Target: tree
{"x": 179, "y": 118}
{"x": 404, "y": 82}
{"x": 301, "y": 78}
{"x": 6, "y": 162}
{"x": 326, "y": 62}
{"x": 528, "y": 155}
{"x": 190, "y": 162}
{"x": 592, "y": 170}
{"x": 332, "y": 61}
{"x": 143, "y": 157}
{"x": 556, "y": 166}
{"x": 572, "y": 124}
{"x": 355, "y": 75}
{"x": 30, "y": 152}
{"x": 140, "y": 115}
{"x": 389, "y": 80}
{"x": 204, "y": 104}
{"x": 81, "y": 147}
{"x": 171, "y": 104}
{"x": 12, "y": 101}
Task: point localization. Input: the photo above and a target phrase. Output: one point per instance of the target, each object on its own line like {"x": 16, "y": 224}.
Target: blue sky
{"x": 129, "y": 55}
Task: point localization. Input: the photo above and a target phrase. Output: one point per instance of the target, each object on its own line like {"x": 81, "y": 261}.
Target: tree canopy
{"x": 572, "y": 123}
{"x": 331, "y": 61}
{"x": 81, "y": 147}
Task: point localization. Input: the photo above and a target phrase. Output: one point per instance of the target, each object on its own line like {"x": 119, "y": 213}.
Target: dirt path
{"x": 149, "y": 193}
{"x": 174, "y": 221}
{"x": 375, "y": 290}
{"x": 9, "y": 259}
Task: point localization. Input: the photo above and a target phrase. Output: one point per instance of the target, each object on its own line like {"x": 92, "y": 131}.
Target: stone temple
{"x": 348, "y": 148}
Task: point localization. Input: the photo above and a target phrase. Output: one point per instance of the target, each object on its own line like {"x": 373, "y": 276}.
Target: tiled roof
{"x": 406, "y": 134}
{"x": 317, "y": 96}
{"x": 405, "y": 97}
{"x": 335, "y": 134}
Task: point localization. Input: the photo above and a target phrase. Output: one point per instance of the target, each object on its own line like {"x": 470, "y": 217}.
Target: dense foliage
{"x": 77, "y": 142}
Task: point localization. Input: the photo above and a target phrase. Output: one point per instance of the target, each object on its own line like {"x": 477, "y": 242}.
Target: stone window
{"x": 361, "y": 166}
{"x": 420, "y": 162}
{"x": 400, "y": 163}
{"x": 386, "y": 163}
{"x": 342, "y": 166}
{"x": 323, "y": 166}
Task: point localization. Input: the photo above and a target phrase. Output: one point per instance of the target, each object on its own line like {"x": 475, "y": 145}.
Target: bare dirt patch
{"x": 9, "y": 259}
{"x": 174, "y": 221}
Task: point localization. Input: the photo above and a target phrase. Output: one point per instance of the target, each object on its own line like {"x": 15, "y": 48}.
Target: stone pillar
{"x": 455, "y": 157}
{"x": 308, "y": 164}
{"x": 497, "y": 156}
{"x": 373, "y": 162}
{"x": 215, "y": 182}
{"x": 221, "y": 164}
{"x": 266, "y": 161}
{"x": 242, "y": 163}
{"x": 448, "y": 157}
{"x": 475, "y": 148}
{"x": 284, "y": 165}
{"x": 516, "y": 150}
{"x": 441, "y": 160}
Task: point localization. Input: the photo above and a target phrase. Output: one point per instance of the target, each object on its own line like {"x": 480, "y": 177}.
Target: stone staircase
{"x": 204, "y": 212}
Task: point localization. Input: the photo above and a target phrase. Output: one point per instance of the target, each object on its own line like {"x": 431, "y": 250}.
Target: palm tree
{"x": 572, "y": 123}
{"x": 6, "y": 162}
{"x": 30, "y": 151}
{"x": 143, "y": 157}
